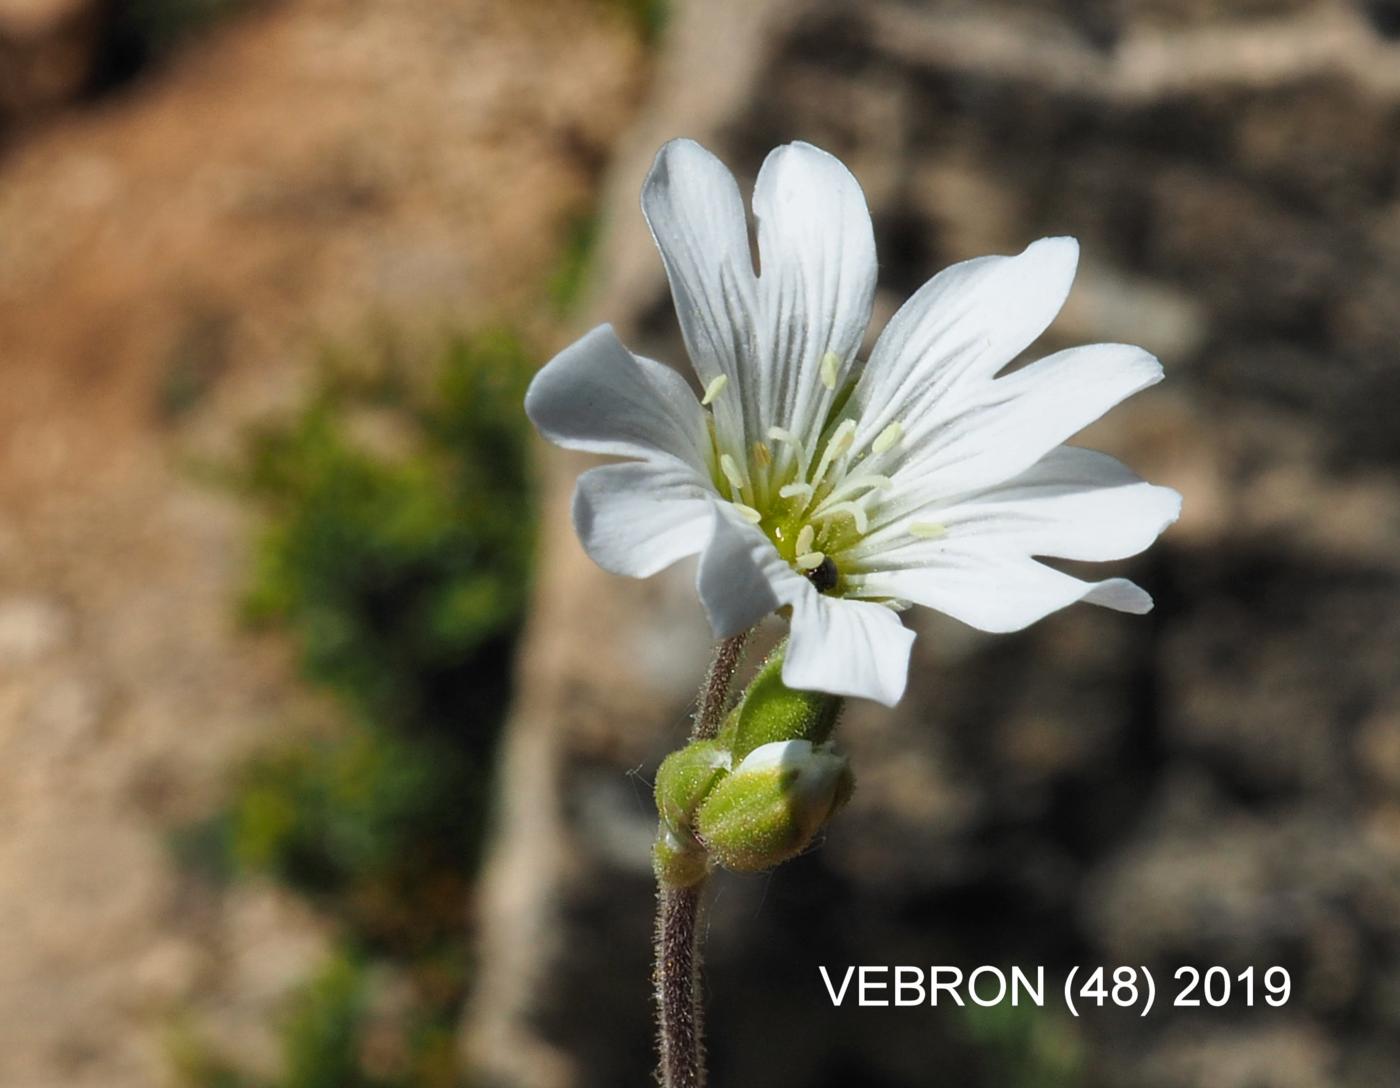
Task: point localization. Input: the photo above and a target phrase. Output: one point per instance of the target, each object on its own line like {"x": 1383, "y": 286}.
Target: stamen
{"x": 732, "y": 473}
{"x": 762, "y": 455}
{"x": 714, "y": 389}
{"x": 839, "y": 444}
{"x": 790, "y": 491}
{"x": 804, "y": 540}
{"x": 855, "y": 509}
{"x": 887, "y": 439}
{"x": 927, "y": 530}
{"x": 748, "y": 513}
{"x": 831, "y": 363}
{"x": 780, "y": 434}
{"x": 810, "y": 560}
{"x": 849, "y": 486}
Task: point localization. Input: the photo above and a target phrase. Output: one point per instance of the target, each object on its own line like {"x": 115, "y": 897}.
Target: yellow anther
{"x": 887, "y": 439}
{"x": 715, "y": 388}
{"x": 805, "y": 538}
{"x": 927, "y": 530}
{"x": 748, "y": 513}
{"x": 810, "y": 560}
{"x": 762, "y": 455}
{"x": 831, "y": 365}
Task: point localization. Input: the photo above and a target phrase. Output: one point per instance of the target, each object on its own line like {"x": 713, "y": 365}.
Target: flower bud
{"x": 683, "y": 780}
{"x": 771, "y": 711}
{"x": 771, "y": 806}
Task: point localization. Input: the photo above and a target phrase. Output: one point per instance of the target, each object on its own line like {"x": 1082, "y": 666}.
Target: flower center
{"x": 814, "y": 503}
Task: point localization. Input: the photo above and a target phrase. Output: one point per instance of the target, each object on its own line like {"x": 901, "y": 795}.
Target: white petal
{"x": 597, "y": 396}
{"x": 847, "y": 647}
{"x": 640, "y": 517}
{"x": 1072, "y": 504}
{"x": 775, "y": 754}
{"x": 999, "y": 593}
{"x": 696, "y": 215}
{"x": 964, "y": 325}
{"x": 816, "y": 281}
{"x": 1009, "y": 424}
{"x": 741, "y": 577}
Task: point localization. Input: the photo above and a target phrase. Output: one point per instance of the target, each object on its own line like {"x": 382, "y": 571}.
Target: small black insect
{"x": 824, "y": 575}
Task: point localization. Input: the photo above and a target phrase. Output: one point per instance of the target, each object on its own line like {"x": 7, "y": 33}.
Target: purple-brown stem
{"x": 681, "y": 1018}
{"x": 677, "y": 974}
{"x": 713, "y": 701}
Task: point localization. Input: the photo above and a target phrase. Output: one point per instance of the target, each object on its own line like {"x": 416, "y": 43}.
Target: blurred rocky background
{"x": 273, "y": 811}
{"x": 267, "y": 274}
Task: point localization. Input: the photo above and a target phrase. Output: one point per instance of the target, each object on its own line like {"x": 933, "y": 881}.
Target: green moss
{"x": 322, "y": 1032}
{"x": 402, "y": 577}
{"x": 395, "y": 552}
{"x": 341, "y": 816}
{"x": 400, "y": 566}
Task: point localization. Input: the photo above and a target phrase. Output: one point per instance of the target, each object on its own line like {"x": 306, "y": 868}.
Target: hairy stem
{"x": 714, "y": 692}
{"x": 678, "y": 987}
{"x": 677, "y": 973}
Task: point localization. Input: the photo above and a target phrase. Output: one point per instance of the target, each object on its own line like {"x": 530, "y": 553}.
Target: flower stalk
{"x": 714, "y": 693}
{"x": 680, "y": 1016}
{"x": 753, "y": 788}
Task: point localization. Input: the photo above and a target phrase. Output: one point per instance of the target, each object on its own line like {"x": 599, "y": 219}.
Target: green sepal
{"x": 771, "y": 711}
{"x": 683, "y": 780}
{"x": 771, "y": 807}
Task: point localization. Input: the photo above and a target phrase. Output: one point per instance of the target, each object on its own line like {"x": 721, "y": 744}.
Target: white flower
{"x": 804, "y": 480}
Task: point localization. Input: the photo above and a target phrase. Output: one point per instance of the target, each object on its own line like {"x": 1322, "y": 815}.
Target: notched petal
{"x": 999, "y": 594}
